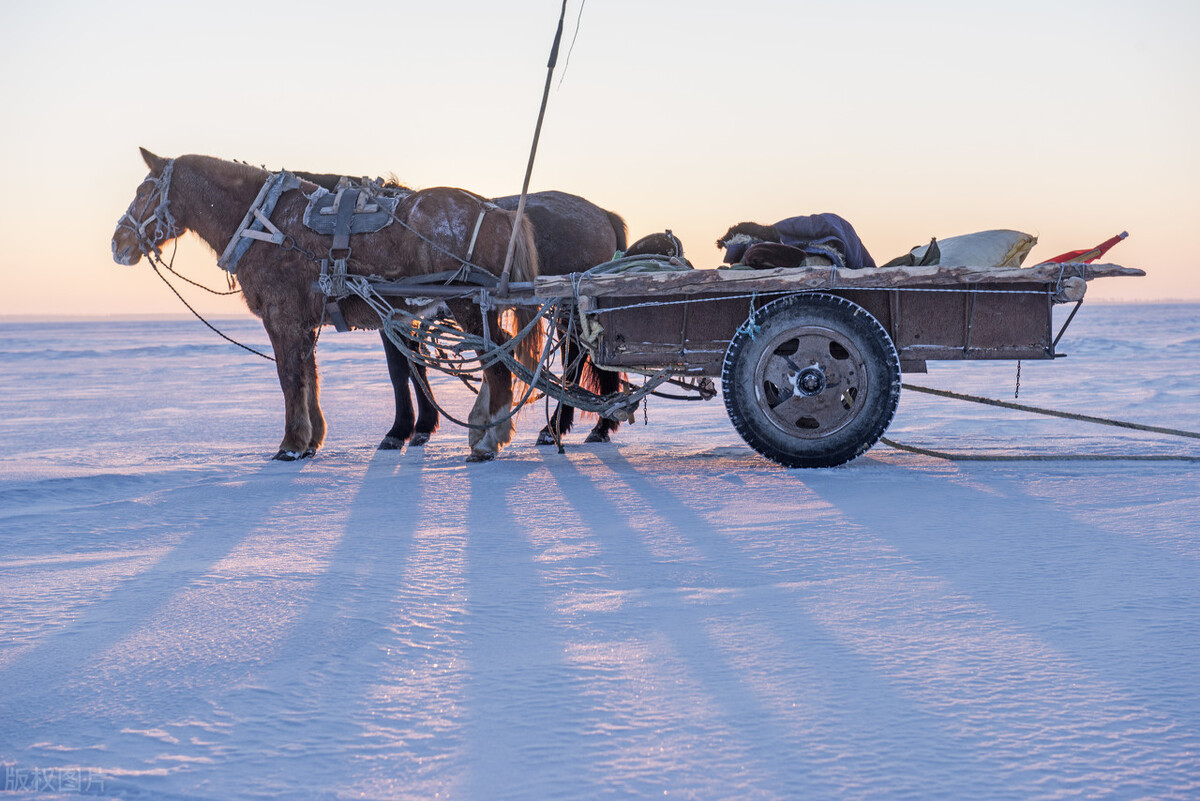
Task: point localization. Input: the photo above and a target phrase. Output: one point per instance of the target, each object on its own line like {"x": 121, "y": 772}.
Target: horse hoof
{"x": 545, "y": 437}
{"x": 598, "y": 436}
{"x": 390, "y": 444}
{"x": 287, "y": 456}
{"x": 418, "y": 440}
{"x": 308, "y": 454}
{"x": 481, "y": 456}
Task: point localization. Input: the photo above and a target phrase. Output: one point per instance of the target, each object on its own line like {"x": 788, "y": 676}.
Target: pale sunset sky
{"x": 1069, "y": 119}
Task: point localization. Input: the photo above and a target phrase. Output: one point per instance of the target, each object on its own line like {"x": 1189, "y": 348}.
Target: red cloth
{"x": 1087, "y": 256}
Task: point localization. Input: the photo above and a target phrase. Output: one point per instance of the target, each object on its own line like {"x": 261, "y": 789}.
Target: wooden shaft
{"x": 537, "y": 132}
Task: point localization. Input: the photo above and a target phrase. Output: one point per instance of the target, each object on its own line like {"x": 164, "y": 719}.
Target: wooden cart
{"x": 810, "y": 358}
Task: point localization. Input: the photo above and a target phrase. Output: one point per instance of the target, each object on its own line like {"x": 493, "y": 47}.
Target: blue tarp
{"x": 825, "y": 229}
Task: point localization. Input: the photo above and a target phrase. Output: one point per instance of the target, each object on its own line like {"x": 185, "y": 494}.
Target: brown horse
{"x": 428, "y": 233}
{"x": 572, "y": 235}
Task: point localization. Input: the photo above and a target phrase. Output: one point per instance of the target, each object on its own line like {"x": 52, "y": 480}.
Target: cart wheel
{"x": 811, "y": 380}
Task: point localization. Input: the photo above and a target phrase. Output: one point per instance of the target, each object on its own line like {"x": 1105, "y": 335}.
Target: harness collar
{"x": 257, "y": 222}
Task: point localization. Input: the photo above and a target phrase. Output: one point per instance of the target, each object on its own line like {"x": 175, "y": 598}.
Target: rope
{"x": 571, "y": 49}
{"x": 170, "y": 267}
{"x": 164, "y": 227}
{"x": 154, "y": 267}
{"x": 554, "y": 422}
{"x": 424, "y": 386}
{"x": 538, "y": 378}
{"x": 649, "y": 263}
{"x": 1052, "y": 413}
{"x": 433, "y": 335}
{"x": 761, "y": 293}
{"x": 1066, "y": 457}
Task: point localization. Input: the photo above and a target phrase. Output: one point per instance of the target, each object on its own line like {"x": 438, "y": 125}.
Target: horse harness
{"x": 349, "y": 210}
{"x": 164, "y": 223}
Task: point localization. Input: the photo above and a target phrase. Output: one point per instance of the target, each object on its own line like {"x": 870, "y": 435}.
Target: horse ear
{"x": 152, "y": 161}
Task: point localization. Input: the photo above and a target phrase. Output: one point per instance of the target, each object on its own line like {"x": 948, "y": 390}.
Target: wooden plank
{"x": 805, "y": 279}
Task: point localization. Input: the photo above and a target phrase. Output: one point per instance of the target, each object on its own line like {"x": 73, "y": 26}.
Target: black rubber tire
{"x": 811, "y": 380}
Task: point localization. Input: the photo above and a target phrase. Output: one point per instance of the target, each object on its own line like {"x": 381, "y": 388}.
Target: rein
{"x": 213, "y": 328}
{"x": 166, "y": 228}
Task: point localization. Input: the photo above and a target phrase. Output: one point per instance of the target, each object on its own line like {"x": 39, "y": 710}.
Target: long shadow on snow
{"x": 1122, "y": 607}
{"x": 53, "y": 674}
{"x": 780, "y": 755}
{"x": 524, "y": 702}
{"x": 309, "y": 711}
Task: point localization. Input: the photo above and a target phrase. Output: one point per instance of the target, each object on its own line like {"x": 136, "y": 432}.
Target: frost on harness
{"x": 153, "y": 194}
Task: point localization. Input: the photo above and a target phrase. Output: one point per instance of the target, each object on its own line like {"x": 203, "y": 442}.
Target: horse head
{"x": 147, "y": 224}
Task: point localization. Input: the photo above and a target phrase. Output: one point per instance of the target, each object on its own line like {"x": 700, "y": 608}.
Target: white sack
{"x": 1000, "y": 248}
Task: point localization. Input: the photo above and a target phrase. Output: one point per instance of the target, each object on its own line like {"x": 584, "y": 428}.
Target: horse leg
{"x": 564, "y": 415}
{"x": 490, "y": 417}
{"x": 298, "y": 385}
{"x": 607, "y": 382}
{"x": 399, "y": 372}
{"x": 427, "y": 413}
{"x": 493, "y": 402}
{"x": 312, "y": 384}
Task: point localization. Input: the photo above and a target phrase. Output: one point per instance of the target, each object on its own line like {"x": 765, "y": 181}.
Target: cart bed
{"x": 685, "y": 319}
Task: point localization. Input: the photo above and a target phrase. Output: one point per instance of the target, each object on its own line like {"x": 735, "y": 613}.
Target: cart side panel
{"x": 645, "y": 332}
{"x": 992, "y": 322}
{"x": 692, "y": 332}
{"x": 1014, "y": 323}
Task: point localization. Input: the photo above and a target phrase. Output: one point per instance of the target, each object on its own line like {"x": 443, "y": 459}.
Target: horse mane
{"x": 239, "y": 171}
{"x": 330, "y": 181}
{"x": 215, "y": 193}
{"x": 392, "y": 181}
{"x": 239, "y": 168}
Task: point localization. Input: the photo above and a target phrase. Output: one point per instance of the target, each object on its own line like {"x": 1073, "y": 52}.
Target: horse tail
{"x": 619, "y": 230}
{"x": 600, "y": 382}
{"x": 525, "y": 268}
{"x": 597, "y": 380}
{"x": 592, "y": 378}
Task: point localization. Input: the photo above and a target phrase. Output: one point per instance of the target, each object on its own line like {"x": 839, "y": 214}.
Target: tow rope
{"x": 1067, "y": 457}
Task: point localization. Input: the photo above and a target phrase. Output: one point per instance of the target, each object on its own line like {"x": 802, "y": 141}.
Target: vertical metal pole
{"x": 1063, "y": 330}
{"x": 537, "y": 132}
{"x": 970, "y": 323}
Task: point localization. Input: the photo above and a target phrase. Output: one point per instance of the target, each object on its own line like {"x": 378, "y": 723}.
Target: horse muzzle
{"x": 127, "y": 255}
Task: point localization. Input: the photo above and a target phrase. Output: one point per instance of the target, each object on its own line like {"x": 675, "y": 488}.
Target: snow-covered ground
{"x": 669, "y": 615}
